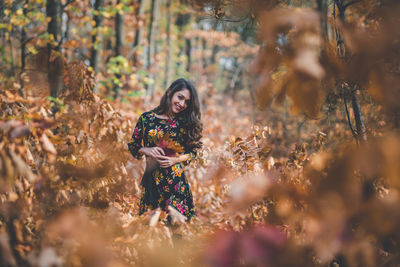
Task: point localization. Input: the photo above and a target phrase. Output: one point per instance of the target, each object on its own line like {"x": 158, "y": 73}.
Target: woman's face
{"x": 180, "y": 101}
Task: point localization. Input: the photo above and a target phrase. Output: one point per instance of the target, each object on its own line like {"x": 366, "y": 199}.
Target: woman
{"x": 169, "y": 136}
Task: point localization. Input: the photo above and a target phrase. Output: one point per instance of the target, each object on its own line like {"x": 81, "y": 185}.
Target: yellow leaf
{"x": 33, "y": 50}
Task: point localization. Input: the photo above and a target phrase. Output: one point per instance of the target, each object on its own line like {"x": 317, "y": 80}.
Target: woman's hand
{"x": 153, "y": 152}
{"x": 166, "y": 162}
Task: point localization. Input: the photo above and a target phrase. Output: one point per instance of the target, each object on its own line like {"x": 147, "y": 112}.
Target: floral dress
{"x": 170, "y": 184}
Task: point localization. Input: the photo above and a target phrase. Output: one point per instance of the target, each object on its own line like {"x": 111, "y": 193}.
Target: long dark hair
{"x": 191, "y": 115}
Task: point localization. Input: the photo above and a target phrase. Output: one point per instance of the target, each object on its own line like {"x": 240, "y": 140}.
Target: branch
{"x": 349, "y": 120}
{"x": 27, "y": 40}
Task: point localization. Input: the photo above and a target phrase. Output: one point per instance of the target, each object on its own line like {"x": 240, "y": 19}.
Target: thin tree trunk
{"x": 360, "y": 125}
{"x": 3, "y": 41}
{"x": 55, "y": 67}
{"x": 96, "y": 37}
{"x": 12, "y": 70}
{"x": 214, "y": 54}
{"x": 151, "y": 47}
{"x": 138, "y": 34}
{"x": 23, "y": 53}
{"x": 119, "y": 21}
{"x": 119, "y": 29}
{"x": 182, "y": 19}
{"x": 139, "y": 12}
{"x": 322, "y": 6}
{"x": 2, "y": 5}
{"x": 67, "y": 30}
{"x": 53, "y": 11}
{"x": 203, "y": 53}
{"x": 358, "y": 117}
{"x": 168, "y": 57}
{"x": 188, "y": 51}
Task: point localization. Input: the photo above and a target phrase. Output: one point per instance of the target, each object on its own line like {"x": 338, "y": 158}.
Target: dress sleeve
{"x": 190, "y": 151}
{"x": 136, "y": 141}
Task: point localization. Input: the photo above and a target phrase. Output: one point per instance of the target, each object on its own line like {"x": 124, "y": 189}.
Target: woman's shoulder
{"x": 147, "y": 114}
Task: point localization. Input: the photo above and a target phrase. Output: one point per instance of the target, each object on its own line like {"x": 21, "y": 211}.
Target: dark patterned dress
{"x": 171, "y": 185}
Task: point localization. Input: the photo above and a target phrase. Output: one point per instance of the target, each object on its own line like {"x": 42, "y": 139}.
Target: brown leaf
{"x": 47, "y": 144}
{"x": 43, "y": 123}
{"x": 22, "y": 168}
{"x": 19, "y": 131}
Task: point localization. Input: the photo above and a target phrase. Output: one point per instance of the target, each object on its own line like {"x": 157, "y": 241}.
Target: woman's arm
{"x": 135, "y": 145}
{"x": 166, "y": 161}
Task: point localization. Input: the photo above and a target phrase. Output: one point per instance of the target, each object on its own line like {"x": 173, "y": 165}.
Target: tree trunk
{"x": 119, "y": 21}
{"x": 188, "y": 51}
{"x": 138, "y": 34}
{"x": 168, "y": 57}
{"x": 2, "y": 5}
{"x": 151, "y": 46}
{"x": 55, "y": 66}
{"x": 67, "y": 32}
{"x": 322, "y": 6}
{"x": 23, "y": 51}
{"x": 119, "y": 29}
{"x": 214, "y": 54}
{"x": 203, "y": 53}
{"x": 2, "y": 38}
{"x": 96, "y": 37}
{"x": 53, "y": 11}
{"x": 360, "y": 126}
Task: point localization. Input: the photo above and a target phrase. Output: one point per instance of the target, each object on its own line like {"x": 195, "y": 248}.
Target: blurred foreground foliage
{"x": 276, "y": 191}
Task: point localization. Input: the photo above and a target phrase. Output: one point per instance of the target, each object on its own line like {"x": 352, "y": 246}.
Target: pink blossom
{"x": 172, "y": 123}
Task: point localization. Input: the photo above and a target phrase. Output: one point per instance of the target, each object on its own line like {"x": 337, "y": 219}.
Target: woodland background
{"x": 300, "y": 105}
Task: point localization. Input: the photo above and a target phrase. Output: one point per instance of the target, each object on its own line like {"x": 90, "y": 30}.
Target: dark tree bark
{"x": 322, "y": 6}
{"x": 119, "y": 29}
{"x": 360, "y": 125}
{"x": 119, "y": 22}
{"x": 139, "y": 11}
{"x": 168, "y": 44}
{"x": 55, "y": 66}
{"x": 181, "y": 21}
{"x": 53, "y": 11}
{"x": 214, "y": 54}
{"x": 358, "y": 117}
{"x": 67, "y": 31}
{"x": 98, "y": 18}
{"x": 151, "y": 45}
{"x": 3, "y": 43}
{"x": 188, "y": 51}
{"x": 23, "y": 51}
{"x": 203, "y": 53}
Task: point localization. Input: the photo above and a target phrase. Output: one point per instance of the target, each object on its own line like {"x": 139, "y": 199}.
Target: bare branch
{"x": 349, "y": 120}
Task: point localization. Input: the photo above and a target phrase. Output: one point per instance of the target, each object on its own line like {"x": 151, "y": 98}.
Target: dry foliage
{"x": 284, "y": 192}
